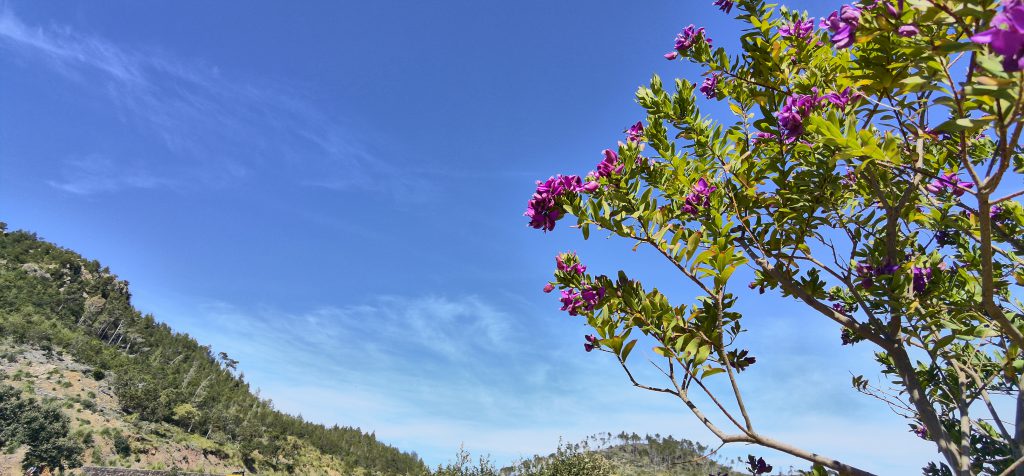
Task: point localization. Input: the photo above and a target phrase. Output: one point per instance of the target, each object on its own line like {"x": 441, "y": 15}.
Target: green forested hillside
{"x": 603, "y": 454}
{"x": 51, "y": 297}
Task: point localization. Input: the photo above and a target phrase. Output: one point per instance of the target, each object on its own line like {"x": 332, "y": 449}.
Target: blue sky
{"x": 332, "y": 193}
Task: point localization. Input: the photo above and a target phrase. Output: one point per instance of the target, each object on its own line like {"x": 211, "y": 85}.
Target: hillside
{"x": 141, "y": 395}
{"x": 630, "y": 454}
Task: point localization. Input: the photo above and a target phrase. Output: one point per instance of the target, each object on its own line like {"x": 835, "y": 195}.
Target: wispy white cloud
{"x": 94, "y": 174}
{"x": 215, "y": 129}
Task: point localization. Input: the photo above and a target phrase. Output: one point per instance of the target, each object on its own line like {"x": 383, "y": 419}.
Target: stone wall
{"x": 95, "y": 471}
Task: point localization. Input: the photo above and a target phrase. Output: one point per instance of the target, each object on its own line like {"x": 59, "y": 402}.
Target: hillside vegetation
{"x": 72, "y": 339}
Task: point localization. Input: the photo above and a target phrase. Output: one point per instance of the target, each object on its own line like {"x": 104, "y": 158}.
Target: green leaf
{"x": 627, "y": 349}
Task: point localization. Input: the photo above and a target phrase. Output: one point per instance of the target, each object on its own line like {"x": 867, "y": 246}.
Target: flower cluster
{"x": 724, "y": 5}
{"x": 586, "y": 299}
{"x": 842, "y": 98}
{"x": 842, "y": 307}
{"x": 689, "y": 36}
{"x": 922, "y": 276}
{"x": 635, "y": 133}
{"x": 758, "y": 466}
{"x": 1006, "y": 37}
{"x": 920, "y": 431}
{"x": 699, "y": 197}
{"x": 848, "y": 337}
{"x": 542, "y": 209}
{"x": 908, "y": 31}
{"x": 797, "y": 29}
{"x": 570, "y": 263}
{"x": 591, "y": 342}
{"x": 843, "y": 25}
{"x": 949, "y": 182}
{"x": 794, "y": 111}
{"x": 610, "y": 165}
{"x": 709, "y": 86}
{"x": 868, "y": 273}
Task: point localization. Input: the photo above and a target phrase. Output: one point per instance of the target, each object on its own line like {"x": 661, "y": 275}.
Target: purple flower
{"x": 635, "y": 133}
{"x": 920, "y": 431}
{"x": 688, "y": 37}
{"x": 590, "y": 187}
{"x": 841, "y": 99}
{"x": 843, "y": 25}
{"x": 549, "y": 287}
{"x": 761, "y": 137}
{"x": 908, "y": 31}
{"x": 994, "y": 211}
{"x": 1006, "y": 37}
{"x": 724, "y": 5}
{"x": 709, "y": 85}
{"x": 794, "y": 111}
{"x": 847, "y": 337}
{"x": 699, "y": 197}
{"x": 591, "y": 295}
{"x": 569, "y": 262}
{"x": 671, "y": 55}
{"x": 886, "y": 269}
{"x": 797, "y": 29}
{"x": 542, "y": 209}
{"x": 922, "y": 276}
{"x": 543, "y": 212}
{"x": 610, "y": 165}
{"x": 570, "y": 302}
{"x": 758, "y": 466}
{"x": 702, "y": 188}
{"x": 867, "y": 274}
{"x": 950, "y": 182}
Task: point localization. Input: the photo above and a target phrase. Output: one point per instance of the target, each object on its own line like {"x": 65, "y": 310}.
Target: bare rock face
{"x": 35, "y": 270}
{"x": 94, "y": 305}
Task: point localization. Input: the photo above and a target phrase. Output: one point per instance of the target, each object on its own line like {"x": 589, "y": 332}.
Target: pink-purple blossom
{"x": 868, "y": 273}
{"x": 908, "y": 31}
{"x": 792, "y": 114}
{"x": 843, "y": 25}
{"x": 635, "y": 133}
{"x": 699, "y": 197}
{"x": 569, "y": 262}
{"x": 797, "y": 29}
{"x": 610, "y": 165}
{"x": 724, "y": 5}
{"x": 549, "y": 287}
{"x": 591, "y": 343}
{"x": 542, "y": 208}
{"x": 949, "y": 182}
{"x": 842, "y": 98}
{"x": 922, "y": 276}
{"x": 1006, "y": 35}
{"x": 571, "y": 302}
{"x": 671, "y": 55}
{"x": 689, "y": 36}
{"x": 709, "y": 86}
